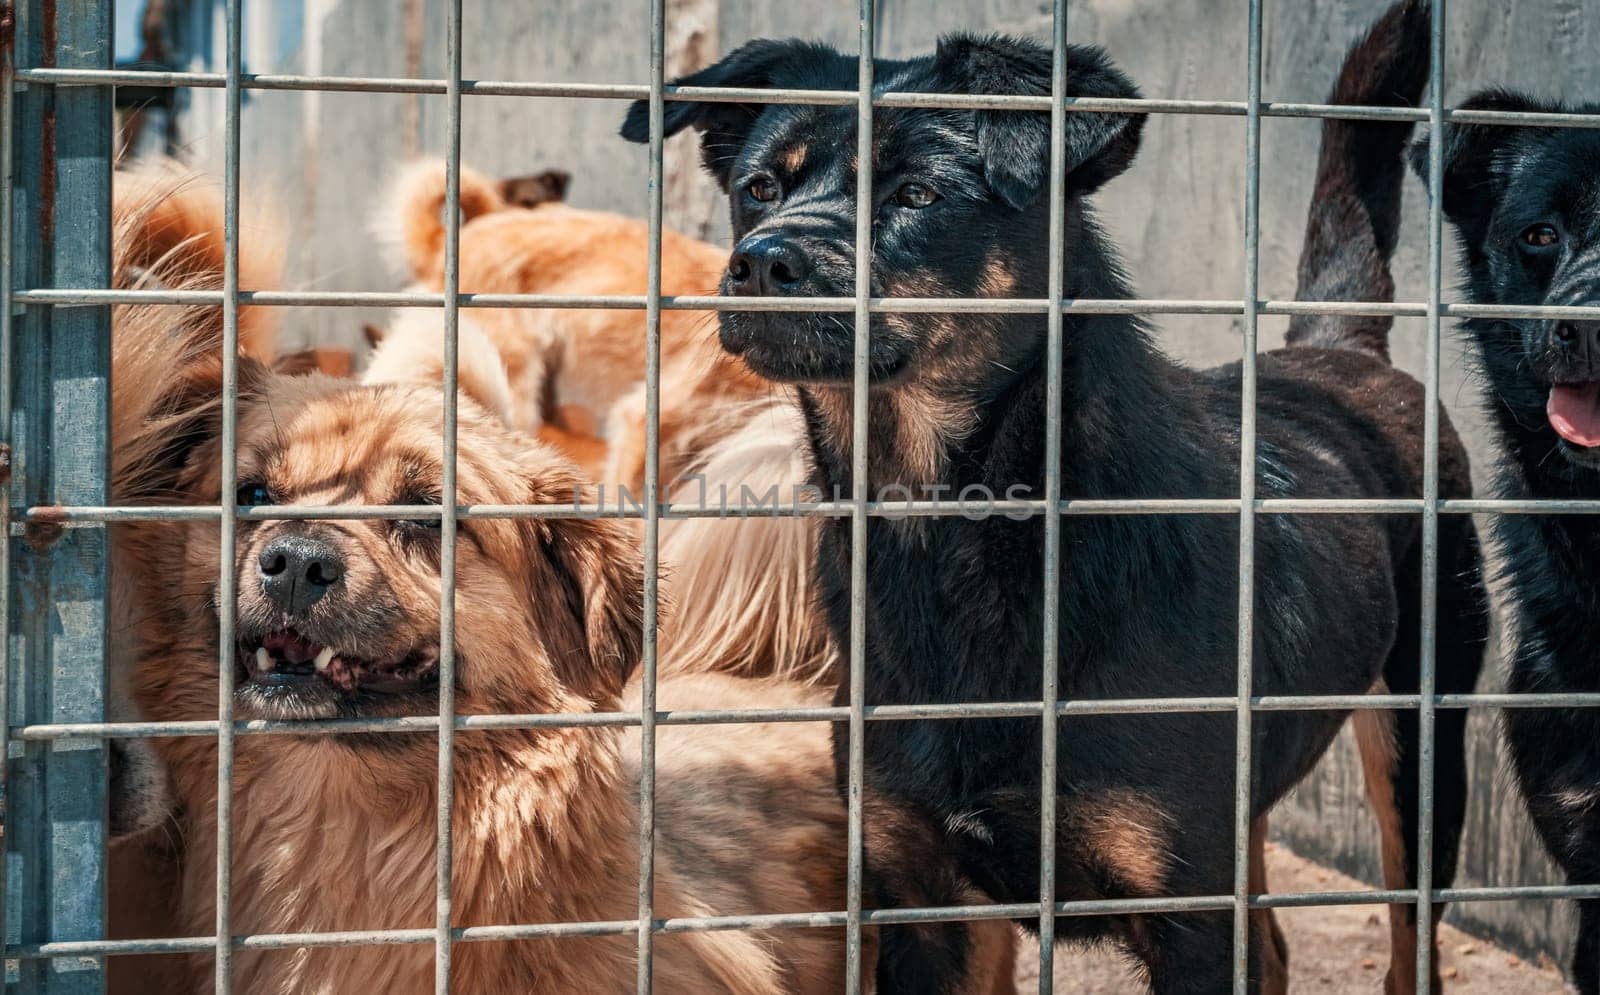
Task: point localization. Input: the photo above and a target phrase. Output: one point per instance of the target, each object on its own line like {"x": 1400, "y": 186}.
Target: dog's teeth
{"x": 324, "y": 658}
{"x": 263, "y": 658}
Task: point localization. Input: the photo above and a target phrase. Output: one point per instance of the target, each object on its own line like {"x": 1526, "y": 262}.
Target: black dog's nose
{"x": 1579, "y": 340}
{"x": 296, "y": 571}
{"x": 1576, "y": 333}
{"x": 766, "y": 266}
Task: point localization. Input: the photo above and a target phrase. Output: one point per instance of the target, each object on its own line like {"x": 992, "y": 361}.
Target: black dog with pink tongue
{"x": 1574, "y": 410}
{"x": 1526, "y": 204}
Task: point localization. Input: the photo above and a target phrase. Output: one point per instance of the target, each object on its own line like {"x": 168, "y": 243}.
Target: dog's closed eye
{"x": 418, "y": 528}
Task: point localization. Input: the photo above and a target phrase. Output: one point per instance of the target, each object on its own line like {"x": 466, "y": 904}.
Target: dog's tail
{"x": 167, "y": 360}
{"x": 411, "y": 219}
{"x": 169, "y": 232}
{"x": 1355, "y": 209}
{"x": 742, "y": 586}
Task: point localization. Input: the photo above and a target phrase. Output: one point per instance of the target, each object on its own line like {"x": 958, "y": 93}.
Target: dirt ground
{"x": 1333, "y": 951}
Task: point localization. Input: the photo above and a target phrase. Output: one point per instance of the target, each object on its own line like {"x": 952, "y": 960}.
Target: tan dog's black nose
{"x": 296, "y": 571}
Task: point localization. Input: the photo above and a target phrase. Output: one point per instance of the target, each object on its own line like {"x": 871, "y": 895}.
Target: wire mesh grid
{"x": 81, "y": 939}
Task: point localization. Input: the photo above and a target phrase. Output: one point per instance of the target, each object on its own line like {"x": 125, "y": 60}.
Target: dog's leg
{"x": 625, "y": 448}
{"x": 682, "y": 428}
{"x": 1391, "y": 744}
{"x": 1376, "y": 735}
{"x": 1275, "y": 946}
{"x": 908, "y": 866}
{"x": 1192, "y": 953}
{"x": 992, "y": 966}
{"x": 1586, "y": 960}
{"x": 1380, "y": 764}
{"x": 1463, "y": 634}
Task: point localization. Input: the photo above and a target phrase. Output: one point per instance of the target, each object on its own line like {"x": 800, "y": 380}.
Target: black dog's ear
{"x": 1015, "y": 145}
{"x": 1478, "y": 160}
{"x": 761, "y": 64}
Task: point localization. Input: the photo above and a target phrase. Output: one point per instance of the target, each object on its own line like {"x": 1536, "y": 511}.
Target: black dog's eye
{"x": 915, "y": 196}
{"x": 1542, "y": 237}
{"x": 763, "y": 189}
{"x": 252, "y": 495}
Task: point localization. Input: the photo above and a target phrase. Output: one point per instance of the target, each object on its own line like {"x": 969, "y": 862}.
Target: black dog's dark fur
{"x": 1499, "y": 184}
{"x": 1148, "y": 602}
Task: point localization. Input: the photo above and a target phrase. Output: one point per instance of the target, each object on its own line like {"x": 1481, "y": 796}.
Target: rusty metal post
{"x": 59, "y": 381}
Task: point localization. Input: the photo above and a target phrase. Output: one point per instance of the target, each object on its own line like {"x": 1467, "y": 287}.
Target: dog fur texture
{"x": 1147, "y": 603}
{"x": 582, "y": 370}
{"x": 166, "y": 235}
{"x": 337, "y": 832}
{"x": 545, "y": 819}
{"x": 1525, "y": 205}
{"x": 728, "y": 442}
{"x": 771, "y": 627}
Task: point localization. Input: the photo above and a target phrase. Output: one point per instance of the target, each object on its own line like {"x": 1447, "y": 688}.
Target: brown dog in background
{"x": 336, "y": 832}
{"x": 582, "y": 369}
{"x": 570, "y": 374}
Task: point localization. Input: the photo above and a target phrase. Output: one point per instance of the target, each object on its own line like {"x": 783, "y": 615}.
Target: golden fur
{"x": 724, "y": 439}
{"x": 581, "y": 369}
{"x": 166, "y": 233}
{"x": 336, "y": 833}
{"x": 770, "y": 627}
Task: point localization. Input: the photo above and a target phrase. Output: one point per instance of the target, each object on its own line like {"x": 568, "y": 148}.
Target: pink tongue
{"x": 1574, "y": 413}
{"x": 294, "y": 647}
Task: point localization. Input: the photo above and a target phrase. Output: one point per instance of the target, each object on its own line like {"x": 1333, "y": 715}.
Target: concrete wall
{"x": 1177, "y": 214}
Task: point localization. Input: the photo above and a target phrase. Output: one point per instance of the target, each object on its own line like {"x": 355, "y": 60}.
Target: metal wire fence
{"x": 54, "y": 361}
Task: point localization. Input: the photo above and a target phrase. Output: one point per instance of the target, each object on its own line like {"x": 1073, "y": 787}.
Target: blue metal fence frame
{"x": 54, "y": 369}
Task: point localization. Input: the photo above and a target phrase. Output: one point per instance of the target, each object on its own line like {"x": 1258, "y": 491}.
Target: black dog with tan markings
{"x": 1148, "y": 602}
{"x": 1526, "y": 205}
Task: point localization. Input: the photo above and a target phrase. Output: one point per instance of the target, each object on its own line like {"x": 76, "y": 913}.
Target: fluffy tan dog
{"x": 582, "y": 370}
{"x": 340, "y": 618}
